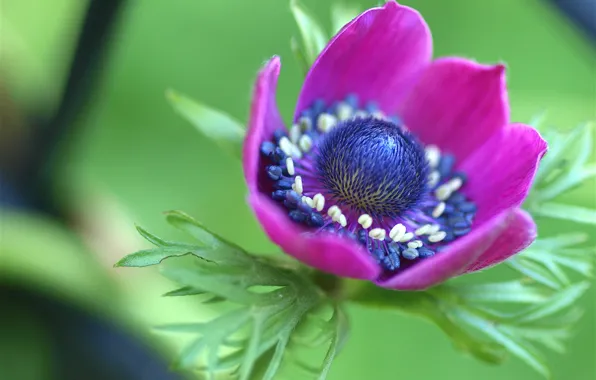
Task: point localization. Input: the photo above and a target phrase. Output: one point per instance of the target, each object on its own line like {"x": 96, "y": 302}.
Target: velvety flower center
{"x": 373, "y": 166}
{"x": 355, "y": 172}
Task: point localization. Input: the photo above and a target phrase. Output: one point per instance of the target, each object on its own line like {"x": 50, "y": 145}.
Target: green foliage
{"x": 566, "y": 166}
{"x": 341, "y": 14}
{"x": 314, "y": 38}
{"x": 226, "y": 132}
{"x": 268, "y": 303}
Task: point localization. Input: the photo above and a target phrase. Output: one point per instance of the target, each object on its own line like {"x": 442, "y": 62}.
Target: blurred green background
{"x": 132, "y": 158}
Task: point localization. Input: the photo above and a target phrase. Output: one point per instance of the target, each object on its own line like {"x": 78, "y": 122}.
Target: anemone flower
{"x": 397, "y": 168}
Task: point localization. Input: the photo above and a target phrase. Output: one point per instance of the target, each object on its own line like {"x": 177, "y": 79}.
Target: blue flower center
{"x": 352, "y": 171}
{"x": 373, "y": 166}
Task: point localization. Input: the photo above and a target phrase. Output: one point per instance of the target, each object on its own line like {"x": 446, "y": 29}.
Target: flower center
{"x": 354, "y": 172}
{"x": 373, "y": 166}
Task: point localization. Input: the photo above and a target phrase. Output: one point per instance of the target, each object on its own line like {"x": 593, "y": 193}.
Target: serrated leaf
{"x": 152, "y": 238}
{"x": 534, "y": 271}
{"x": 154, "y": 256}
{"x": 566, "y": 212}
{"x": 340, "y": 322}
{"x": 555, "y": 304}
{"x": 214, "y": 124}
{"x": 184, "y": 291}
{"x": 342, "y": 14}
{"x": 513, "y": 344}
{"x": 314, "y": 38}
{"x": 502, "y": 292}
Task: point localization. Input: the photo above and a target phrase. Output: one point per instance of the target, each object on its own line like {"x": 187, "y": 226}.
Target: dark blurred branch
{"x": 34, "y": 180}
{"x": 582, "y": 13}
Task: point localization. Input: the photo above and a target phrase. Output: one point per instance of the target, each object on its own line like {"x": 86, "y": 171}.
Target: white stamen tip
{"x": 305, "y": 143}
{"x": 377, "y": 233}
{"x": 415, "y": 244}
{"x": 438, "y": 210}
{"x": 298, "y": 185}
{"x": 308, "y": 201}
{"x": 443, "y": 192}
{"x": 333, "y": 210}
{"x": 437, "y": 237}
{"x": 422, "y": 230}
{"x": 434, "y": 229}
{"x": 342, "y": 220}
{"x": 305, "y": 123}
{"x": 365, "y": 221}
{"x": 397, "y": 232}
{"x": 455, "y": 183}
{"x": 344, "y": 111}
{"x": 407, "y": 237}
{"x": 325, "y": 122}
{"x": 290, "y": 166}
{"x": 319, "y": 202}
{"x": 285, "y": 145}
{"x": 433, "y": 155}
{"x": 360, "y": 114}
{"x": 295, "y": 152}
{"x": 433, "y": 178}
{"x": 295, "y": 133}
{"x": 378, "y": 115}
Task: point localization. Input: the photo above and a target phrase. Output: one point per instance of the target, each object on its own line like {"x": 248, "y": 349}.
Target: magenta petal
{"x": 264, "y": 120}
{"x": 376, "y": 56}
{"x": 457, "y": 104}
{"x": 330, "y": 254}
{"x": 454, "y": 260}
{"x": 520, "y": 233}
{"x": 501, "y": 172}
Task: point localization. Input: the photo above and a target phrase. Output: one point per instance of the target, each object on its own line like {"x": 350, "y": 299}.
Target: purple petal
{"x": 454, "y": 259}
{"x": 500, "y": 172}
{"x": 330, "y": 254}
{"x": 457, "y": 104}
{"x": 264, "y": 120}
{"x": 376, "y": 56}
{"x": 520, "y": 233}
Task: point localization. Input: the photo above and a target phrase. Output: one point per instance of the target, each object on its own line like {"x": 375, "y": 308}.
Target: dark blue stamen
{"x": 279, "y": 133}
{"x": 315, "y": 220}
{"x": 372, "y": 166}
{"x": 267, "y": 148}
{"x": 391, "y": 260}
{"x": 274, "y": 172}
{"x": 277, "y": 156}
{"x": 446, "y": 165}
{"x": 425, "y": 252}
{"x": 467, "y": 207}
{"x": 283, "y": 184}
{"x": 461, "y": 231}
{"x": 298, "y": 216}
{"x": 279, "y": 195}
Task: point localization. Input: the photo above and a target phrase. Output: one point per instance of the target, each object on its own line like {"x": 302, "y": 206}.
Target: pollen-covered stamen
{"x": 360, "y": 174}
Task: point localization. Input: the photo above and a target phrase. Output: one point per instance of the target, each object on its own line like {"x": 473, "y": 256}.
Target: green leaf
{"x": 341, "y": 328}
{"x": 503, "y": 292}
{"x": 155, "y": 256}
{"x": 214, "y": 124}
{"x": 300, "y": 56}
{"x": 566, "y": 212}
{"x": 511, "y": 342}
{"x": 342, "y": 14}
{"x": 270, "y": 300}
{"x": 314, "y": 38}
